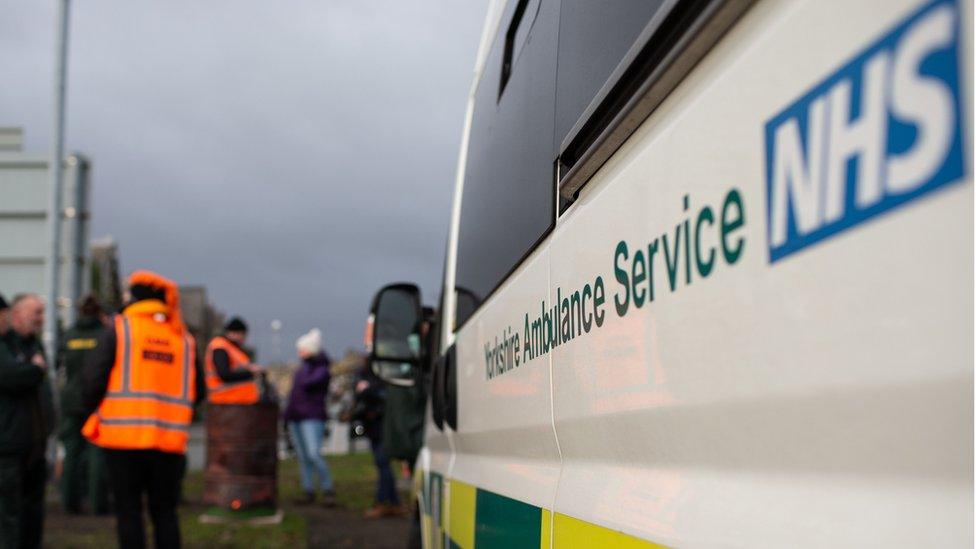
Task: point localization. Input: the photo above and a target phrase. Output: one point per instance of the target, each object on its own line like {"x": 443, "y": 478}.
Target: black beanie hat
{"x": 235, "y": 325}
{"x": 3, "y": 303}
{"x": 141, "y": 292}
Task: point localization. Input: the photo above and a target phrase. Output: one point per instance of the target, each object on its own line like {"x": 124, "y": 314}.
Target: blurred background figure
{"x": 231, "y": 377}
{"x": 4, "y": 316}
{"x": 371, "y": 394}
{"x": 26, "y": 420}
{"x": 406, "y": 402}
{"x": 305, "y": 417}
{"x": 83, "y": 472}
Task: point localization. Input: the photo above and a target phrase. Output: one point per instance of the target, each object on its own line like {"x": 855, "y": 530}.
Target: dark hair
{"x": 142, "y": 292}
{"x": 3, "y": 303}
{"x": 89, "y": 306}
{"x": 236, "y": 324}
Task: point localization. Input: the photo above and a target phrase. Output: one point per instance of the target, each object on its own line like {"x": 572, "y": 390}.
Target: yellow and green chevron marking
{"x": 481, "y": 519}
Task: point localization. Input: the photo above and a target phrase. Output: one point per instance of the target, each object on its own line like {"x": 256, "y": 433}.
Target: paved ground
{"x": 196, "y": 449}
{"x": 348, "y": 529}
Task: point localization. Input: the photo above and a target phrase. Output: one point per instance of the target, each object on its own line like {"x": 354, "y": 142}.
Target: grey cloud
{"x": 292, "y": 156}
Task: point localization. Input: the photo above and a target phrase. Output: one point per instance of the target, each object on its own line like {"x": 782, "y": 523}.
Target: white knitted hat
{"x": 310, "y": 343}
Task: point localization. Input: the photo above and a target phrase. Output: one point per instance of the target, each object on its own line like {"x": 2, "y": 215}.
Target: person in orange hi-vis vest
{"x": 231, "y": 377}
{"x": 141, "y": 386}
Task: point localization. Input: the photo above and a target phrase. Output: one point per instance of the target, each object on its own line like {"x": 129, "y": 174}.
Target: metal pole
{"x": 276, "y": 341}
{"x": 54, "y": 199}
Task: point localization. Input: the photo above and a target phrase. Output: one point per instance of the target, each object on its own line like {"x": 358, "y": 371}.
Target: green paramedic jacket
{"x": 403, "y": 421}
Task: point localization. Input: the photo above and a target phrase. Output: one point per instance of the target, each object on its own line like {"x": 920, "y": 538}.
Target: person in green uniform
{"x": 84, "y": 466}
{"x": 403, "y": 426}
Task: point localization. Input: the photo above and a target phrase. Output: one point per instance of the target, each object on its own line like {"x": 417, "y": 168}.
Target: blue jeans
{"x": 306, "y": 436}
{"x": 386, "y": 491}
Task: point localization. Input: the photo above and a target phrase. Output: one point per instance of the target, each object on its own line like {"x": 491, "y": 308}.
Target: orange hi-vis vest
{"x": 235, "y": 392}
{"x": 151, "y": 388}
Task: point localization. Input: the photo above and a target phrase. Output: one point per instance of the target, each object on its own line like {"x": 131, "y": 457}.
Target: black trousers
{"x": 133, "y": 473}
{"x": 21, "y": 501}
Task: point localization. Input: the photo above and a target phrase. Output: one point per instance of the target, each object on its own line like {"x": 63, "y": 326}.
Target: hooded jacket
{"x": 98, "y": 364}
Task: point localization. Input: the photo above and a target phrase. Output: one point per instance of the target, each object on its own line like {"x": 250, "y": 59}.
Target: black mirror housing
{"x": 394, "y": 336}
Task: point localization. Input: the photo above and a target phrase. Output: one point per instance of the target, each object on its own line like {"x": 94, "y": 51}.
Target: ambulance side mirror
{"x": 393, "y": 336}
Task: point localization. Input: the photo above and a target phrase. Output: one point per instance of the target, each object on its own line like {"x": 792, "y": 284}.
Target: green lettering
{"x": 732, "y": 252}
{"x": 565, "y": 328}
{"x": 599, "y": 298}
{"x": 587, "y": 315}
{"x": 518, "y": 345}
{"x": 546, "y": 329}
{"x": 621, "y": 276}
{"x": 638, "y": 272}
{"x": 651, "y": 251}
{"x": 488, "y": 369}
{"x": 704, "y": 267}
{"x": 687, "y": 201}
{"x": 575, "y": 312}
{"x": 672, "y": 265}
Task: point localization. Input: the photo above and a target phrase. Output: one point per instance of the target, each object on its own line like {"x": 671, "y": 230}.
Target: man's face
{"x": 237, "y": 337}
{"x": 27, "y": 316}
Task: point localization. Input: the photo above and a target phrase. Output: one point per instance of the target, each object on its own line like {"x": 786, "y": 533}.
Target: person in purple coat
{"x": 305, "y": 417}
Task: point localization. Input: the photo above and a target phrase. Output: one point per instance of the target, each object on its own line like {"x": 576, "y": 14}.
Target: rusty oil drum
{"x": 242, "y": 456}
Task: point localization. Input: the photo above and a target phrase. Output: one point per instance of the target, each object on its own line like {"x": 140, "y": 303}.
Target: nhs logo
{"x": 881, "y": 131}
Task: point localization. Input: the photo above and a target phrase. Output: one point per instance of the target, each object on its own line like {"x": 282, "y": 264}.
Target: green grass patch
{"x": 240, "y": 514}
{"x": 290, "y": 533}
{"x": 355, "y": 482}
{"x": 354, "y": 476}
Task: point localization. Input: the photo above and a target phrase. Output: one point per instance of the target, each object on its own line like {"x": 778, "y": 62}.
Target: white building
{"x": 24, "y": 188}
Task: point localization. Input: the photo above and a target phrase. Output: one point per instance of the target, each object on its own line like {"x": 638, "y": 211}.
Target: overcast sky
{"x": 292, "y": 156}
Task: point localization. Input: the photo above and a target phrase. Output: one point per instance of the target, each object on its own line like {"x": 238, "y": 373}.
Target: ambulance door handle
{"x": 450, "y": 388}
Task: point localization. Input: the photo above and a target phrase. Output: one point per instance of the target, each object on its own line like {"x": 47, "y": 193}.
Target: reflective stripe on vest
{"x": 146, "y": 422}
{"x": 127, "y": 367}
{"x": 233, "y": 392}
{"x": 133, "y": 417}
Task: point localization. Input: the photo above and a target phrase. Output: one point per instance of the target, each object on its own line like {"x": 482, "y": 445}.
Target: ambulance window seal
{"x": 666, "y": 51}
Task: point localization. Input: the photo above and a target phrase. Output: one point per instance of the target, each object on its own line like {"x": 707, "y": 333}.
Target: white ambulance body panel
{"x": 803, "y": 374}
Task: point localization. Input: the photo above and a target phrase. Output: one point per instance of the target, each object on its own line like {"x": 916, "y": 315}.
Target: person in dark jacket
{"x": 305, "y": 416}
{"x": 371, "y": 393}
{"x": 84, "y": 463}
{"x": 232, "y": 377}
{"x": 26, "y": 420}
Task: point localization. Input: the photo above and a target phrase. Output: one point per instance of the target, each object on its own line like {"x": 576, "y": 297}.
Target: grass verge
{"x": 355, "y": 481}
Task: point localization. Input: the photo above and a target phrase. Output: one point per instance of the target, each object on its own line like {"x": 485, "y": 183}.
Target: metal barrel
{"x": 242, "y": 456}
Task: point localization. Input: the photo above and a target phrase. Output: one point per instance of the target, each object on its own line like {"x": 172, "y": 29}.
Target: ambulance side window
{"x": 617, "y": 62}
{"x": 508, "y": 204}
{"x": 593, "y": 39}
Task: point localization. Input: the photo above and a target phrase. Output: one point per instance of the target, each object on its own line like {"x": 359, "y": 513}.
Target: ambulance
{"x": 708, "y": 281}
